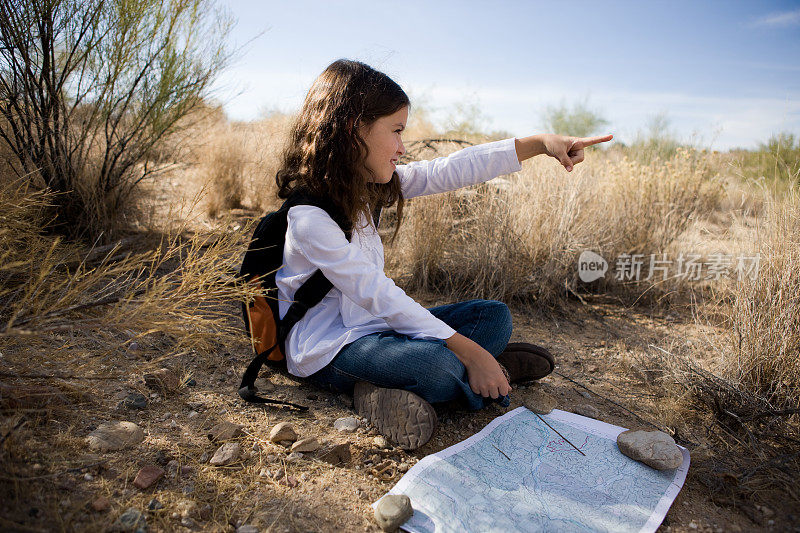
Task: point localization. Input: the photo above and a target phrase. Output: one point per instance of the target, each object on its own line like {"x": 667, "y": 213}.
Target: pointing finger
{"x": 589, "y": 141}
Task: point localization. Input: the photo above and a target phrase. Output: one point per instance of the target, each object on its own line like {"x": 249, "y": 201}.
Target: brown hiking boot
{"x": 525, "y": 361}
{"x": 401, "y": 415}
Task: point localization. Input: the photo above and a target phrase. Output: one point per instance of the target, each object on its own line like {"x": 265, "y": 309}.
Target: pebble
{"x": 336, "y": 454}
{"x": 271, "y": 458}
{"x": 148, "y": 476}
{"x": 587, "y": 410}
{"x": 392, "y": 511}
{"x": 585, "y": 394}
{"x": 403, "y": 467}
{"x": 163, "y": 380}
{"x": 113, "y": 436}
{"x": 88, "y": 477}
{"x": 131, "y": 520}
{"x": 154, "y": 505}
{"x": 226, "y": 454}
{"x": 653, "y": 448}
{"x": 101, "y": 504}
{"x": 246, "y": 528}
{"x": 192, "y": 414}
{"x": 282, "y": 431}
{"x": 540, "y": 402}
{"x": 134, "y": 400}
{"x": 187, "y": 509}
{"x": 381, "y": 442}
{"x": 348, "y": 424}
{"x": 309, "y": 444}
{"x": 187, "y": 522}
{"x": 225, "y": 431}
{"x": 294, "y": 456}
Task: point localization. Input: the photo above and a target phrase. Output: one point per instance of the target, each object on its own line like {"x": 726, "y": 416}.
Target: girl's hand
{"x": 485, "y": 375}
{"x": 568, "y": 150}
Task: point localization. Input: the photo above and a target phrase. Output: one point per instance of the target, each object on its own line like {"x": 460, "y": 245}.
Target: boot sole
{"x": 401, "y": 415}
{"x": 517, "y": 359}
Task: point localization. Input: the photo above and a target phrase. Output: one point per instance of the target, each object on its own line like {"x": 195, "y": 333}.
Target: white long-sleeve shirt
{"x": 363, "y": 299}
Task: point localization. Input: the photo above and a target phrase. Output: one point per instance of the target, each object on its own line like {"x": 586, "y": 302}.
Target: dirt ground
{"x": 50, "y": 479}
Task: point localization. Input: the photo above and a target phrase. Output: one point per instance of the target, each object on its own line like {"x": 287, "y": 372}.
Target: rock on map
{"x": 517, "y": 474}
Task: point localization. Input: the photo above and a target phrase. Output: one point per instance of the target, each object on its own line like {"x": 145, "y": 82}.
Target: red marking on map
{"x": 560, "y": 445}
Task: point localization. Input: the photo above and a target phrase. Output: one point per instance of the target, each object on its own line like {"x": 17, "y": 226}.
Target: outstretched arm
{"x": 568, "y": 150}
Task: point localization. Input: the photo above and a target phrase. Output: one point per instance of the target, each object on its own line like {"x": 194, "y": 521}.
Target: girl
{"x": 367, "y": 337}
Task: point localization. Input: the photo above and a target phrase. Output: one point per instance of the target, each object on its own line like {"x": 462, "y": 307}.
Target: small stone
{"x": 134, "y": 346}
{"x": 192, "y": 414}
{"x": 113, "y": 436}
{"x": 347, "y": 424}
{"x": 403, "y": 467}
{"x": 186, "y": 470}
{"x": 154, "y": 505}
{"x": 392, "y": 511}
{"x": 225, "y": 431}
{"x": 540, "y": 402}
{"x": 88, "y": 477}
{"x": 294, "y": 456}
{"x": 101, "y": 504}
{"x": 653, "y": 448}
{"x": 135, "y": 400}
{"x": 271, "y": 458}
{"x": 187, "y": 509}
{"x": 381, "y": 442}
{"x": 286, "y": 443}
{"x": 593, "y": 368}
{"x": 131, "y": 520}
{"x": 585, "y": 394}
{"x": 204, "y": 457}
{"x": 148, "y": 476}
{"x": 246, "y": 528}
{"x": 289, "y": 481}
{"x": 336, "y": 454}
{"x": 173, "y": 465}
{"x": 283, "y": 431}
{"x": 264, "y": 473}
{"x": 226, "y": 454}
{"x": 309, "y": 444}
{"x": 587, "y": 410}
{"x": 163, "y": 380}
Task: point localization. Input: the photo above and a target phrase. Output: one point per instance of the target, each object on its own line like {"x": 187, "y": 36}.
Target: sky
{"x": 724, "y": 74}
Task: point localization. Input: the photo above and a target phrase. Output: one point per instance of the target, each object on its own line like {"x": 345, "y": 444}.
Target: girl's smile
{"x": 385, "y": 145}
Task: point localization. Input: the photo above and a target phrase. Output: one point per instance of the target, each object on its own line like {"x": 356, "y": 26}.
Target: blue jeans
{"x": 426, "y": 367}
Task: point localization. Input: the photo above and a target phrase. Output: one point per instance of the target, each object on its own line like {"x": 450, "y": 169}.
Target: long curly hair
{"x": 325, "y": 154}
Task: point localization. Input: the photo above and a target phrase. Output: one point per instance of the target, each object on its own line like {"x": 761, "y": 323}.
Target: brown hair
{"x": 325, "y": 154}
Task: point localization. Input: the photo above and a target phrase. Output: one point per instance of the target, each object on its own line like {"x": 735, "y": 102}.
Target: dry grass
{"x": 519, "y": 238}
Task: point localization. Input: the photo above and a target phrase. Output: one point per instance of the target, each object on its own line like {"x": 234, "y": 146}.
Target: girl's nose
{"x": 402, "y": 149}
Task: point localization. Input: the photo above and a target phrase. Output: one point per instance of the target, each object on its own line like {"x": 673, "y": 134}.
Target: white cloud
{"x": 781, "y": 20}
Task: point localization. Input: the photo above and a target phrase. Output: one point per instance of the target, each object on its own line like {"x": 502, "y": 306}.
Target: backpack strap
{"x": 309, "y": 294}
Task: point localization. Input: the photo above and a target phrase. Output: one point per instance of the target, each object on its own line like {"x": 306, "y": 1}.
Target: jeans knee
{"x": 443, "y": 379}
{"x": 501, "y": 318}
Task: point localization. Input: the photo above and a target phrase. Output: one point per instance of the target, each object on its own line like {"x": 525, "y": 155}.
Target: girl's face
{"x": 384, "y": 144}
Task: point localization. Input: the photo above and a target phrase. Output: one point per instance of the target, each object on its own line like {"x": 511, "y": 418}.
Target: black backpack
{"x": 262, "y": 321}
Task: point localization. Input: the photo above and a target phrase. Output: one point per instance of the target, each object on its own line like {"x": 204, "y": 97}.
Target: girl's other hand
{"x": 485, "y": 375}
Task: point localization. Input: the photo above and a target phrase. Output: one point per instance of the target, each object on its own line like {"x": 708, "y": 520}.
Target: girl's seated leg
{"x": 425, "y": 367}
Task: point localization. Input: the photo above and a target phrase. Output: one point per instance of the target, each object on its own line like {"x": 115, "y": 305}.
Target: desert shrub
{"x": 764, "y": 316}
{"x": 91, "y": 89}
{"x": 577, "y": 120}
{"x": 776, "y": 162}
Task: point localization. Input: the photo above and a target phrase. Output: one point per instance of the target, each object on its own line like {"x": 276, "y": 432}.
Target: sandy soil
{"x": 49, "y": 478}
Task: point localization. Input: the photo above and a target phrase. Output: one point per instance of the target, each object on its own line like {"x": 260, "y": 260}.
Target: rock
{"x": 225, "y": 431}
{"x": 134, "y": 400}
{"x": 187, "y": 509}
{"x": 154, "y": 505}
{"x": 336, "y": 454}
{"x": 283, "y": 431}
{"x": 148, "y": 476}
{"x": 246, "y": 528}
{"x": 226, "y": 454}
{"x": 585, "y": 394}
{"x": 294, "y": 456}
{"x": 403, "y": 467}
{"x": 192, "y": 415}
{"x": 392, "y": 511}
{"x": 348, "y": 424}
{"x": 286, "y": 443}
{"x": 381, "y": 442}
{"x": 113, "y": 436}
{"x": 131, "y": 520}
{"x": 186, "y": 470}
{"x": 309, "y": 444}
{"x": 540, "y": 402}
{"x": 163, "y": 380}
{"x": 653, "y": 448}
{"x": 187, "y": 522}
{"x": 587, "y": 410}
{"x": 289, "y": 481}
{"x": 101, "y": 504}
